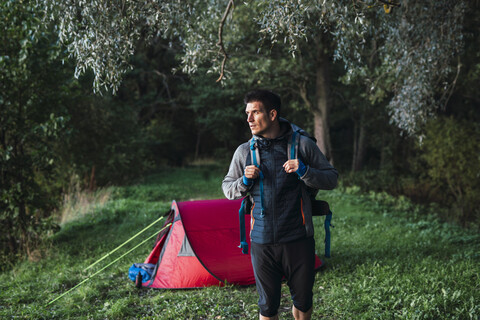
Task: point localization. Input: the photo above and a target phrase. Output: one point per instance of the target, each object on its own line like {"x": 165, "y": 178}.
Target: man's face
{"x": 259, "y": 120}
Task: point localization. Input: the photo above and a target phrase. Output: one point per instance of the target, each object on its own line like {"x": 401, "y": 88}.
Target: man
{"x": 281, "y": 190}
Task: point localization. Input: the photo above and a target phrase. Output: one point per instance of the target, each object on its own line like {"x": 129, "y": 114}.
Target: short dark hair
{"x": 269, "y": 99}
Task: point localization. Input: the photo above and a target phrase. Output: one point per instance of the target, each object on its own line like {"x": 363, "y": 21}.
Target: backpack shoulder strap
{"x": 254, "y": 153}
{"x": 246, "y": 204}
{"x": 327, "y": 224}
{"x": 292, "y": 148}
{"x": 243, "y": 236}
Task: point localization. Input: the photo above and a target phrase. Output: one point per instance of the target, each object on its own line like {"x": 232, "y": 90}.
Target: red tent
{"x": 200, "y": 248}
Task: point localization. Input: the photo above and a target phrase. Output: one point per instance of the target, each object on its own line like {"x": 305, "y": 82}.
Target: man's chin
{"x": 257, "y": 132}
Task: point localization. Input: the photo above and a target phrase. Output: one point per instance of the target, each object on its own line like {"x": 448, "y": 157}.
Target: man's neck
{"x": 273, "y": 132}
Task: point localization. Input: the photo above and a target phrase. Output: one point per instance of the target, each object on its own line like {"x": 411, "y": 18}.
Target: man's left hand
{"x": 291, "y": 165}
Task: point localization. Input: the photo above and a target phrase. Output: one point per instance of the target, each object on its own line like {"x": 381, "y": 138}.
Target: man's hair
{"x": 269, "y": 99}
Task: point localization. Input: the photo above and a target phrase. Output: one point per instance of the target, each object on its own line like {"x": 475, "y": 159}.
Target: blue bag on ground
{"x": 145, "y": 269}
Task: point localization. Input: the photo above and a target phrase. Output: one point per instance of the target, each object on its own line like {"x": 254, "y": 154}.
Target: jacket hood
{"x": 286, "y": 129}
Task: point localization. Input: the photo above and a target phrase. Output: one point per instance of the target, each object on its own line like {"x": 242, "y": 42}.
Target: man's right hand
{"x": 251, "y": 172}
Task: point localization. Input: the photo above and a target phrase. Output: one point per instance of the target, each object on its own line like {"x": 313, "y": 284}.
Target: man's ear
{"x": 273, "y": 114}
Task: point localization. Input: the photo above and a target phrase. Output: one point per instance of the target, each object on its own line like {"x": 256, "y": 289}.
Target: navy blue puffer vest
{"x": 283, "y": 219}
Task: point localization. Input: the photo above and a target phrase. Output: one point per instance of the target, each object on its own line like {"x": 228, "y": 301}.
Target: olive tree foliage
{"x": 417, "y": 41}
{"x": 102, "y": 35}
{"x": 420, "y": 38}
{"x": 418, "y": 44}
{"x": 290, "y": 22}
{"x": 419, "y": 52}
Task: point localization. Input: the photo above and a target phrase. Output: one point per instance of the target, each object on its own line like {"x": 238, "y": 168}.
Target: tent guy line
{"x": 139, "y": 233}
{"x": 108, "y": 265}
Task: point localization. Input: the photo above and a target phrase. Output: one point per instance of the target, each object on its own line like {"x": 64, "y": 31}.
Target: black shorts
{"x": 293, "y": 260}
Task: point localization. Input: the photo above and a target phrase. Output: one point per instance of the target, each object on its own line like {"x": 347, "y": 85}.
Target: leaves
{"x": 450, "y": 150}
{"x": 415, "y": 42}
{"x": 30, "y": 125}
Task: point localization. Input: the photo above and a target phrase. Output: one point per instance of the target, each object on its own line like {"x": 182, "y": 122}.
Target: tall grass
{"x": 390, "y": 260}
{"x": 78, "y": 202}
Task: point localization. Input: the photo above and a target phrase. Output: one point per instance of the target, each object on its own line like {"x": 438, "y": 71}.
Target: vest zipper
{"x": 274, "y": 203}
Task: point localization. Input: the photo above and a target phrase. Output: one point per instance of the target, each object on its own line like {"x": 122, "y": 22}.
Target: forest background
{"x": 103, "y": 92}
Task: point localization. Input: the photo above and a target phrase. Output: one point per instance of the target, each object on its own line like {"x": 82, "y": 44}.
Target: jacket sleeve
{"x": 320, "y": 174}
{"x": 232, "y": 185}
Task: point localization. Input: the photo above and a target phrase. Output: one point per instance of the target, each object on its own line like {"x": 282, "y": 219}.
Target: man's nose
{"x": 249, "y": 118}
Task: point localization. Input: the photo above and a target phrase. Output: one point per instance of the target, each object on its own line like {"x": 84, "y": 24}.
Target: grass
{"x": 390, "y": 260}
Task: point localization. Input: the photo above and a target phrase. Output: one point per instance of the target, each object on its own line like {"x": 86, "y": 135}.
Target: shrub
{"x": 451, "y": 158}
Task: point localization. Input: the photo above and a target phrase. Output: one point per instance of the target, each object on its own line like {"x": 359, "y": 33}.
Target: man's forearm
{"x": 320, "y": 174}
{"x": 321, "y": 179}
{"x": 234, "y": 188}
{"x": 232, "y": 185}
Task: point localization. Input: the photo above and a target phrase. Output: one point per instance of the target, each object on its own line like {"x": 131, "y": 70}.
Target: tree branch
{"x": 459, "y": 67}
{"x": 165, "y": 84}
{"x": 220, "y": 39}
{"x": 302, "y": 89}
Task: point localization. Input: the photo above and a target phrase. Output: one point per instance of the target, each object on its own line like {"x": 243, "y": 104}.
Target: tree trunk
{"x": 92, "y": 185}
{"x": 359, "y": 145}
{"x": 23, "y": 224}
{"x": 12, "y": 239}
{"x": 197, "y": 144}
{"x": 323, "y": 102}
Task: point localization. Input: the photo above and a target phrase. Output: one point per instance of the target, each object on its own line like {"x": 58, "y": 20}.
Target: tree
{"x": 105, "y": 43}
{"x": 102, "y": 35}
{"x": 419, "y": 40}
{"x": 402, "y": 54}
{"x": 32, "y": 87}
{"x": 417, "y": 45}
{"x": 406, "y": 64}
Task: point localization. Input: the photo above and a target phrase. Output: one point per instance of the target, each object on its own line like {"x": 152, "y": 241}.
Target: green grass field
{"x": 390, "y": 260}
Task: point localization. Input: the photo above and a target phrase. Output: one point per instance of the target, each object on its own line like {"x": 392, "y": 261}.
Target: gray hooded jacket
{"x": 287, "y": 197}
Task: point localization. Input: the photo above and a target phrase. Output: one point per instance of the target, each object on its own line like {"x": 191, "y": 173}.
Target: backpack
{"x": 319, "y": 207}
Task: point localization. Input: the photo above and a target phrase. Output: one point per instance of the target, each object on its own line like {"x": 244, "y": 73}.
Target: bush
{"x": 451, "y": 162}
{"x": 372, "y": 180}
